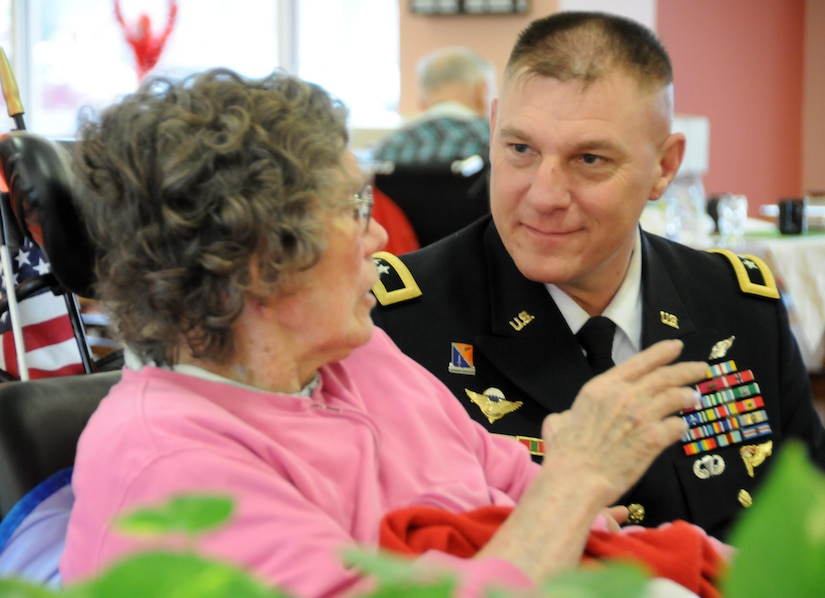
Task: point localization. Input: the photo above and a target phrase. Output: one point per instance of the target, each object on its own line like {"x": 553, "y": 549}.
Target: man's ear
{"x": 481, "y": 97}
{"x": 670, "y": 158}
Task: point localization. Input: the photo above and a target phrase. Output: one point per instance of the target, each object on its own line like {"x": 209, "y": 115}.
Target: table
{"x": 798, "y": 263}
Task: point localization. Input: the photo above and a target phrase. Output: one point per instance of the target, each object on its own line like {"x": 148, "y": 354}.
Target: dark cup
{"x": 792, "y": 219}
{"x": 712, "y": 208}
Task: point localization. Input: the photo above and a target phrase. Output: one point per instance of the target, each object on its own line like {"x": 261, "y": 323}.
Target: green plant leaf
{"x": 384, "y": 565}
{"x": 188, "y": 514}
{"x": 400, "y": 577}
{"x": 444, "y": 588}
{"x": 18, "y": 588}
{"x": 780, "y": 540}
{"x": 172, "y": 575}
{"x": 614, "y": 580}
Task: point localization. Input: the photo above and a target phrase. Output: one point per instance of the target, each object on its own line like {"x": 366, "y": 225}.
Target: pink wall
{"x": 813, "y": 125}
{"x": 740, "y": 63}
{"x": 755, "y": 68}
{"x": 490, "y": 35}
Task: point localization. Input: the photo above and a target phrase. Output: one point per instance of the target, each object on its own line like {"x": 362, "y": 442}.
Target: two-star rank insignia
{"x": 492, "y": 403}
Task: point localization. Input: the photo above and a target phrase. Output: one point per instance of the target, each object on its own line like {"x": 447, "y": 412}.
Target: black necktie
{"x": 596, "y": 336}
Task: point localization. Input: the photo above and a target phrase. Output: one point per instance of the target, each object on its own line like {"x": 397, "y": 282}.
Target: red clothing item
{"x": 678, "y": 551}
{"x": 402, "y": 238}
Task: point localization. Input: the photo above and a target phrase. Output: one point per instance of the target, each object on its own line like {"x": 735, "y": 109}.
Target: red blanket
{"x": 678, "y": 551}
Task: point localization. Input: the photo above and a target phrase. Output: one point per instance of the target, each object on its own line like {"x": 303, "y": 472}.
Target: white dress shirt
{"x": 625, "y": 309}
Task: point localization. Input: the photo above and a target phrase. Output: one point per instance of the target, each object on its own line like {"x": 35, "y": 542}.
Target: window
{"x": 69, "y": 54}
{"x": 353, "y": 52}
{"x": 5, "y": 26}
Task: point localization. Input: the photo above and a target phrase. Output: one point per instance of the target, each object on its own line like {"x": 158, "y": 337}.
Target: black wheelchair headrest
{"x": 41, "y": 190}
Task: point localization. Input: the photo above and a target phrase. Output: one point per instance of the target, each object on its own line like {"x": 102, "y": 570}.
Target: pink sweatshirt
{"x": 310, "y": 475}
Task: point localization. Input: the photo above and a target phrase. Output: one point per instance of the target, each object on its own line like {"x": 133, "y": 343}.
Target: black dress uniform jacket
{"x": 461, "y": 308}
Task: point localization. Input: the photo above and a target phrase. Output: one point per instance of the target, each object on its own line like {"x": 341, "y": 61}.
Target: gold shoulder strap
{"x": 754, "y": 276}
{"x": 395, "y": 281}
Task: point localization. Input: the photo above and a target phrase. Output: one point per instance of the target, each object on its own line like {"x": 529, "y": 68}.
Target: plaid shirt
{"x": 439, "y": 135}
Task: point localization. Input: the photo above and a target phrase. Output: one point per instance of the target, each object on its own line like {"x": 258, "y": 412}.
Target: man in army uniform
{"x": 581, "y": 139}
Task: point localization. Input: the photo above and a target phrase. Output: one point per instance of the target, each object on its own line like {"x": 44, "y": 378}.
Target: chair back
{"x": 42, "y": 204}
{"x": 40, "y": 424}
{"x": 438, "y": 199}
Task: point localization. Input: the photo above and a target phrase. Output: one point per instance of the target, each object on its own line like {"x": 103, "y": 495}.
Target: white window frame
{"x": 23, "y": 33}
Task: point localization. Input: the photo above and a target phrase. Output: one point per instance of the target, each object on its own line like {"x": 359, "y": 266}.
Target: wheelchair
{"x": 41, "y": 420}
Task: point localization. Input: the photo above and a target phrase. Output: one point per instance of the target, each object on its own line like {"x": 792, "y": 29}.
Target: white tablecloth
{"x": 797, "y": 262}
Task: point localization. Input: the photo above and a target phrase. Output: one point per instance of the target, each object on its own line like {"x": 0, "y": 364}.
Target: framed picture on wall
{"x": 478, "y": 7}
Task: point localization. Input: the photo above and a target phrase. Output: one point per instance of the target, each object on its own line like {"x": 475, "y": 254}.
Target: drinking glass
{"x": 733, "y": 213}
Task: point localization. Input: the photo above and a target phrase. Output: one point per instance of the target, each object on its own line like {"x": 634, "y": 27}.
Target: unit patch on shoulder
{"x": 395, "y": 282}
{"x": 754, "y": 276}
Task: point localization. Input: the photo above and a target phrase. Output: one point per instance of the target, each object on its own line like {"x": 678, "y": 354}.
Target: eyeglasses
{"x": 363, "y": 202}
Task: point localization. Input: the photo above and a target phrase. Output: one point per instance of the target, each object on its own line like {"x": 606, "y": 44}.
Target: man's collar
{"x": 625, "y": 309}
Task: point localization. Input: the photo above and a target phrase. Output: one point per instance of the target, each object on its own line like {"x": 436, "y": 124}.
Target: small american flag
{"x": 51, "y": 348}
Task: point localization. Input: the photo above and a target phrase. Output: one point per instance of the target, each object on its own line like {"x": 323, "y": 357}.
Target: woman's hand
{"x": 614, "y": 517}
{"x": 622, "y": 419}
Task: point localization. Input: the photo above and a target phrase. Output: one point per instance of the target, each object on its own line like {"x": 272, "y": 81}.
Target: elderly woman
{"x": 235, "y": 258}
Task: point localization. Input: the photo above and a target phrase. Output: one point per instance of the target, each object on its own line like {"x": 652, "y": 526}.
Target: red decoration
{"x": 145, "y": 44}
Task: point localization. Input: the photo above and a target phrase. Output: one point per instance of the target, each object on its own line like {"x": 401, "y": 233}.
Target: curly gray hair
{"x": 190, "y": 184}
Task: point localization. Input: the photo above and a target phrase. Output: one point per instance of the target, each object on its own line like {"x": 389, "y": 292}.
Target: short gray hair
{"x": 453, "y": 64}
{"x": 586, "y": 46}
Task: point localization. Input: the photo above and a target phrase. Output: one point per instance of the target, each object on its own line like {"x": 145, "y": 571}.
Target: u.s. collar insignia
{"x": 492, "y": 403}
{"x": 521, "y": 320}
{"x": 461, "y": 359}
{"x": 755, "y": 454}
{"x": 721, "y": 348}
{"x": 669, "y": 319}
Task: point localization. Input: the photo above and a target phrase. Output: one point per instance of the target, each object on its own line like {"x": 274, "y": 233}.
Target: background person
{"x": 235, "y": 247}
{"x": 456, "y": 85}
{"x": 581, "y": 140}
